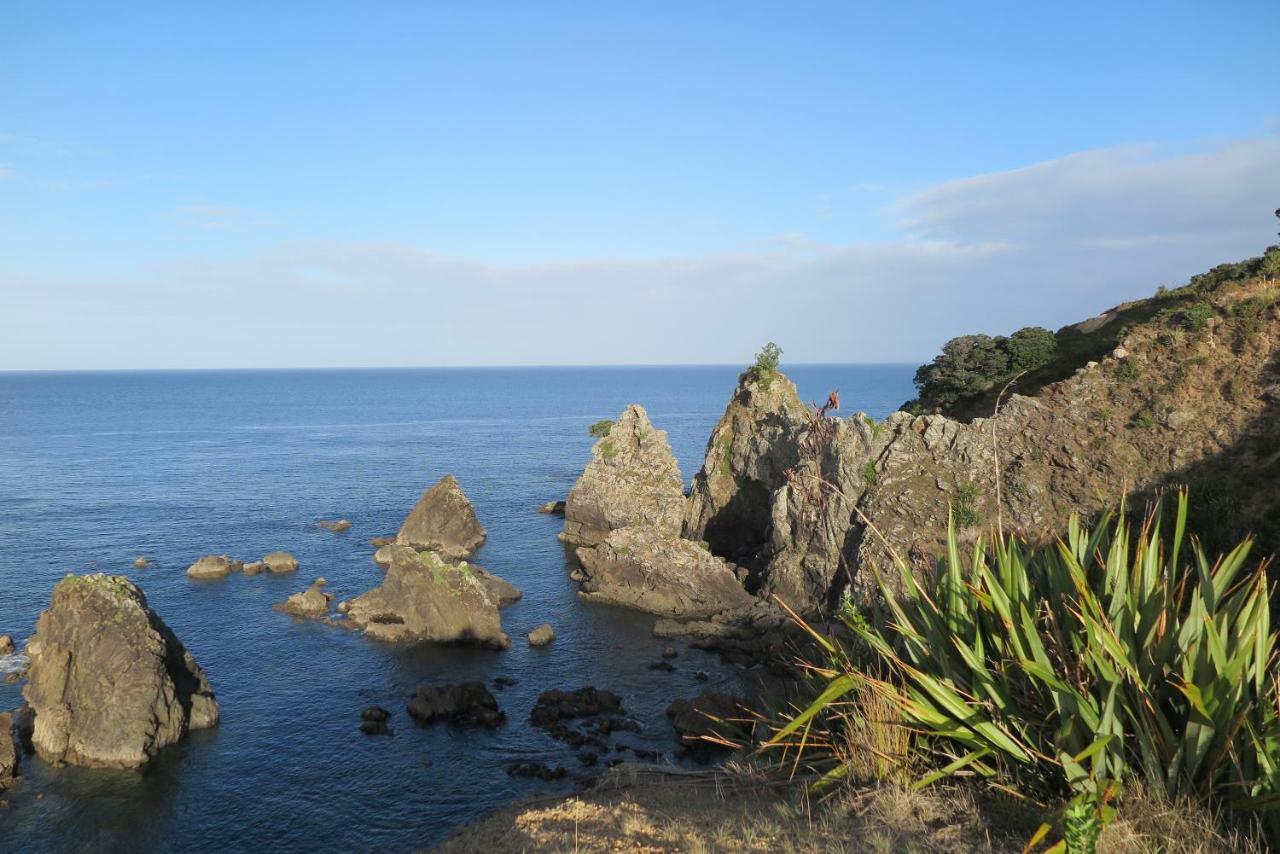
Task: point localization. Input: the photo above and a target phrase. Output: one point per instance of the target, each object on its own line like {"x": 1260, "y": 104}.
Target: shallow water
{"x": 99, "y": 468}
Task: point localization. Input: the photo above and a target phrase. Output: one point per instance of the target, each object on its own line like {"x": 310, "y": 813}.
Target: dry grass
{"x": 644, "y": 809}
{"x": 1149, "y": 823}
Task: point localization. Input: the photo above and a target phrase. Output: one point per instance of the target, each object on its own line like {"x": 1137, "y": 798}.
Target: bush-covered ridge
{"x": 965, "y": 379}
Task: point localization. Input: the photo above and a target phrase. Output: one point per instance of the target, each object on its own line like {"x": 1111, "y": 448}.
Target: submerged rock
{"x": 443, "y": 521}
{"x": 256, "y": 567}
{"x": 212, "y": 567}
{"x": 379, "y": 542}
{"x": 310, "y": 603}
{"x": 141, "y": 563}
{"x": 109, "y": 683}
{"x": 536, "y": 769}
{"x": 337, "y": 526}
{"x": 467, "y": 703}
{"x": 651, "y": 570}
{"x": 542, "y": 635}
{"x": 427, "y": 599}
{"x": 632, "y": 479}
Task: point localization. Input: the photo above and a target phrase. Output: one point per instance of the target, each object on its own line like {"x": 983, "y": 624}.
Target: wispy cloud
{"x": 5, "y": 172}
{"x": 1048, "y": 244}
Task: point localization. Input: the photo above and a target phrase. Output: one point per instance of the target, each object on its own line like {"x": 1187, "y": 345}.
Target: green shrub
{"x": 1066, "y": 671}
{"x": 608, "y": 450}
{"x": 1127, "y": 370}
{"x": 974, "y": 364}
{"x": 964, "y": 508}
{"x": 869, "y": 475}
{"x": 601, "y": 428}
{"x": 1141, "y": 421}
{"x": 766, "y": 364}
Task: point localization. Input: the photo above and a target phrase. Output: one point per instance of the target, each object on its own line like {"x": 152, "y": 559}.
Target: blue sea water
{"x": 97, "y": 469}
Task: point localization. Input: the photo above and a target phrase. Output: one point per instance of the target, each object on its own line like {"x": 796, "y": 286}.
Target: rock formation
{"x": 443, "y": 521}
{"x": 468, "y": 704}
{"x": 109, "y": 684}
{"x": 649, "y": 569}
{"x": 424, "y": 598}
{"x": 633, "y": 479}
{"x": 311, "y": 603}
{"x": 542, "y": 635}
{"x": 710, "y": 719}
{"x": 6, "y": 645}
{"x": 280, "y": 562}
{"x": 213, "y": 567}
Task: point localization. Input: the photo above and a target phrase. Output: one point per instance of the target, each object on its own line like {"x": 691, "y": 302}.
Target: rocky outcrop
{"x": 443, "y": 521}
{"x": 467, "y": 704}
{"x": 750, "y": 450}
{"x": 542, "y": 635}
{"x": 424, "y": 598}
{"x": 6, "y": 645}
{"x": 388, "y": 554}
{"x": 500, "y": 590}
{"x": 632, "y": 479}
{"x": 552, "y": 508}
{"x": 312, "y": 603}
{"x": 337, "y": 526}
{"x": 213, "y": 567}
{"x": 649, "y": 569}
{"x": 280, "y": 562}
{"x": 109, "y": 684}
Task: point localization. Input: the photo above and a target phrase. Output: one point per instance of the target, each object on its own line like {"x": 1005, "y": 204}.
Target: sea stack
{"x": 109, "y": 683}
{"x": 632, "y": 479}
{"x": 443, "y": 521}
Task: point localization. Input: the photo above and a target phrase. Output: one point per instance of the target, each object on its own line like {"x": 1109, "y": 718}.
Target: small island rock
{"x": 542, "y": 635}
{"x": 310, "y": 603}
{"x": 109, "y": 683}
{"x": 280, "y": 562}
{"x": 213, "y": 567}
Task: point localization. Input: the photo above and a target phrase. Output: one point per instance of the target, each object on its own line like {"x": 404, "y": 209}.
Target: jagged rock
{"x": 212, "y": 567}
{"x": 709, "y": 717}
{"x": 542, "y": 635}
{"x": 280, "y": 562}
{"x": 337, "y": 526}
{"x": 443, "y": 521}
{"x": 751, "y": 448}
{"x": 109, "y": 683}
{"x": 649, "y": 569}
{"x": 632, "y": 479}
{"x": 311, "y": 603}
{"x": 553, "y": 508}
{"x": 6, "y": 645}
{"x": 468, "y": 703}
{"x": 426, "y": 599}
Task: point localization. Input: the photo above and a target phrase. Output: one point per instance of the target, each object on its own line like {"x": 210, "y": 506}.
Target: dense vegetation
{"x": 1065, "y": 674}
{"x": 965, "y": 378}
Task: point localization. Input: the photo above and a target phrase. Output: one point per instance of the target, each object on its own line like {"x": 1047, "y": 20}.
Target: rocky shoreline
{"x": 791, "y": 508}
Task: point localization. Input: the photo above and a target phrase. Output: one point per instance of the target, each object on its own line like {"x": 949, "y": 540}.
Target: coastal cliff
{"x": 1179, "y": 389}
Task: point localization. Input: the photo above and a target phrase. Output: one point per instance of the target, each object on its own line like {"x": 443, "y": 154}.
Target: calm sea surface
{"x": 99, "y": 468}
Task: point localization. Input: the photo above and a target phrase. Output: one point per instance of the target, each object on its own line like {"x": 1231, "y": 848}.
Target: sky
{"x": 399, "y": 184}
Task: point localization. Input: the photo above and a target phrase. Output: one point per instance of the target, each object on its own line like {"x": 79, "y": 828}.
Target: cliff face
{"x": 1191, "y": 395}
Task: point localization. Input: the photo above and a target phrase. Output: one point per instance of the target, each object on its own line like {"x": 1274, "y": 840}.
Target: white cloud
{"x": 1049, "y": 244}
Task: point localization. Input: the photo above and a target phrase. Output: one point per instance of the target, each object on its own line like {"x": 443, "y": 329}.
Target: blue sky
{"x": 416, "y": 183}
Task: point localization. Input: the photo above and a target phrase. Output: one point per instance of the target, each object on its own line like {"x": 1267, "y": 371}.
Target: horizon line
{"x": 565, "y": 365}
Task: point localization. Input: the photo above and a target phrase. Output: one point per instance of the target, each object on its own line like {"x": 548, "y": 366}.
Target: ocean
{"x": 98, "y": 468}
